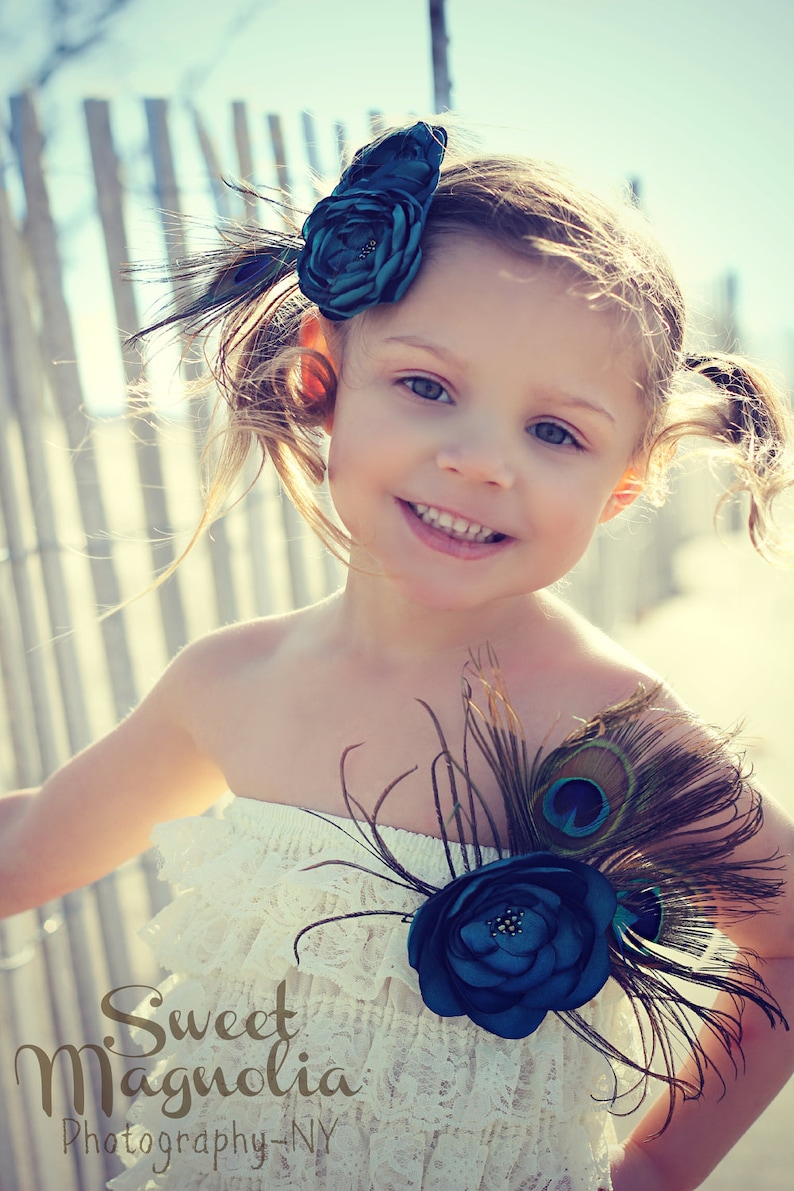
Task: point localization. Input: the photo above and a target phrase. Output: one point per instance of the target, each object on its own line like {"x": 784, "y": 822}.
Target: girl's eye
{"x": 554, "y": 435}
{"x": 430, "y": 390}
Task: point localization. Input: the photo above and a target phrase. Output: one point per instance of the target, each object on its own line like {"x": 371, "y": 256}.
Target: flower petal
{"x": 438, "y": 992}
{"x": 477, "y": 937}
{"x": 517, "y": 1022}
{"x": 474, "y": 973}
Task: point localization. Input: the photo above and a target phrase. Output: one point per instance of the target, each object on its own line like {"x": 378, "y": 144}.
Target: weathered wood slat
{"x": 25, "y": 1158}
{"x": 295, "y": 533}
{"x": 312, "y": 156}
{"x": 159, "y": 522}
{"x": 20, "y": 394}
{"x": 276, "y": 131}
{"x": 220, "y": 191}
{"x": 60, "y": 353}
{"x": 256, "y": 524}
{"x": 57, "y": 338}
{"x": 168, "y": 201}
{"x": 24, "y": 763}
{"x": 342, "y": 145}
{"x": 245, "y": 160}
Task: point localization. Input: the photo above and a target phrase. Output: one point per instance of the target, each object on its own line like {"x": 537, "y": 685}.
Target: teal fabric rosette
{"x": 359, "y": 247}
{"x": 363, "y": 243}
{"x": 513, "y": 940}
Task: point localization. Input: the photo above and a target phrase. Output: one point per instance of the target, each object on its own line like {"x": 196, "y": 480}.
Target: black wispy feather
{"x": 677, "y": 832}
{"x": 211, "y": 285}
{"x": 679, "y": 806}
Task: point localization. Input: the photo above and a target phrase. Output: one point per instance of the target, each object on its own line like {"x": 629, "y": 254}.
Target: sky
{"x": 694, "y": 98}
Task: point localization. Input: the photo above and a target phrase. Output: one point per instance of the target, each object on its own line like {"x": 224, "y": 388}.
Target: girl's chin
{"x": 429, "y": 588}
{"x": 452, "y": 598}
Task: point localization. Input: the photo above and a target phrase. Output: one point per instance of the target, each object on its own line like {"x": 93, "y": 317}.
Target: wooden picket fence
{"x": 92, "y": 506}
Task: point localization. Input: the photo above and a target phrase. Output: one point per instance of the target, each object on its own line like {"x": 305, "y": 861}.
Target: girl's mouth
{"x": 455, "y": 527}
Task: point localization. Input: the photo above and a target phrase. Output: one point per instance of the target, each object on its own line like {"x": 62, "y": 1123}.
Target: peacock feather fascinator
{"x": 618, "y": 860}
{"x": 359, "y": 247}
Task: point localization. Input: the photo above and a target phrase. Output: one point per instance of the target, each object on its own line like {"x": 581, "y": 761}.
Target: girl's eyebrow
{"x": 585, "y": 403}
{"x": 563, "y": 395}
{"x": 416, "y": 341}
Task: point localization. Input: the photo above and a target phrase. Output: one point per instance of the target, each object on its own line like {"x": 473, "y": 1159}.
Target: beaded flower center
{"x": 508, "y": 923}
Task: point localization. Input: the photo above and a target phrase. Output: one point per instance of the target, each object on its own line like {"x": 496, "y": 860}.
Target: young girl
{"x": 443, "y": 987}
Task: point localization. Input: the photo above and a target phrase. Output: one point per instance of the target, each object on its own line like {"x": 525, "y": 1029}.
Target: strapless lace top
{"x": 331, "y": 1073}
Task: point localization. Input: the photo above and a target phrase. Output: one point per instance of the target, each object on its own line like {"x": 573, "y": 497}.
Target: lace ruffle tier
{"x": 434, "y": 1103}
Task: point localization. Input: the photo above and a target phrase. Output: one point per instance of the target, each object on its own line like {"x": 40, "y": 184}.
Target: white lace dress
{"x": 333, "y": 1073}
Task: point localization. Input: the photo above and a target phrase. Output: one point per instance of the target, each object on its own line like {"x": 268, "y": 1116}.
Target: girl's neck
{"x": 372, "y": 619}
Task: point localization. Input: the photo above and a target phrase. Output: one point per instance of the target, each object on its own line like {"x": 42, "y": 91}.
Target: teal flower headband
{"x": 362, "y": 243}
{"x": 359, "y": 247}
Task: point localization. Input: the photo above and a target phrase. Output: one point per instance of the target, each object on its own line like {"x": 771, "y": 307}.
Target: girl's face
{"x": 483, "y": 428}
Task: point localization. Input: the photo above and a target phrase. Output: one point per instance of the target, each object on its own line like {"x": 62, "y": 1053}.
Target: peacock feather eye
{"x": 641, "y": 912}
{"x": 577, "y": 806}
{"x": 583, "y": 794}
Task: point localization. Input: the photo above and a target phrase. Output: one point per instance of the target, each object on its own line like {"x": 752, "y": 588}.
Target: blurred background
{"x": 687, "y": 104}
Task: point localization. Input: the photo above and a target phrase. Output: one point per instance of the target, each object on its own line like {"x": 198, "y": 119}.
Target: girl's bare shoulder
{"x": 589, "y": 670}
{"x": 230, "y": 651}
{"x": 231, "y": 664}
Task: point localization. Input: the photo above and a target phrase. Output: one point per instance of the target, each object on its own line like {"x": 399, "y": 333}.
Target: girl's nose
{"x": 478, "y": 461}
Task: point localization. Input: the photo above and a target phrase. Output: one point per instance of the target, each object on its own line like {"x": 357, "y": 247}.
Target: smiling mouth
{"x": 455, "y": 527}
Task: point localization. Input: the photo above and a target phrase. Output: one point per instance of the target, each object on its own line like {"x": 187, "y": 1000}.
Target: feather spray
{"x": 645, "y": 797}
{"x": 358, "y": 247}
{"x": 220, "y": 282}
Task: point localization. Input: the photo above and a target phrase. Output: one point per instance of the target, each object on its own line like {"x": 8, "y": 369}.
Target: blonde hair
{"x": 279, "y": 395}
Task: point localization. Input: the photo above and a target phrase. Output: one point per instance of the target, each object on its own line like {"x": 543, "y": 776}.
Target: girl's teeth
{"x": 457, "y": 527}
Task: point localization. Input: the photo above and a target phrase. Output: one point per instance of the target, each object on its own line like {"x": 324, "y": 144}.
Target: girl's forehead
{"x": 480, "y": 318}
{"x": 462, "y": 261}
{"x": 472, "y": 291}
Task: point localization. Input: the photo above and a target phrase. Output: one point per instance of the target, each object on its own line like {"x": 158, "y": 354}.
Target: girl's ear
{"x": 313, "y": 383}
{"x": 628, "y": 489}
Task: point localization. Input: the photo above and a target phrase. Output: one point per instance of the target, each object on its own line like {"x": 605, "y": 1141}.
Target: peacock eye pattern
{"x": 577, "y": 806}
{"x": 639, "y": 917}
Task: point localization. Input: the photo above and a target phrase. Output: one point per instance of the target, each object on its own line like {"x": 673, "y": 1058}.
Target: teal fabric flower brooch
{"x": 359, "y": 247}
{"x": 362, "y": 243}
{"x": 508, "y": 942}
{"x": 603, "y": 870}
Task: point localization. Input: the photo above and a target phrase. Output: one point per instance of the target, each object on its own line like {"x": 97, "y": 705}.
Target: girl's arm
{"x": 703, "y": 1131}
{"x": 99, "y": 809}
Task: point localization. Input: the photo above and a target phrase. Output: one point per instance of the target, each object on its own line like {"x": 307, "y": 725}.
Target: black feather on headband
{"x": 214, "y": 284}
{"x": 619, "y": 861}
{"x": 359, "y": 247}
